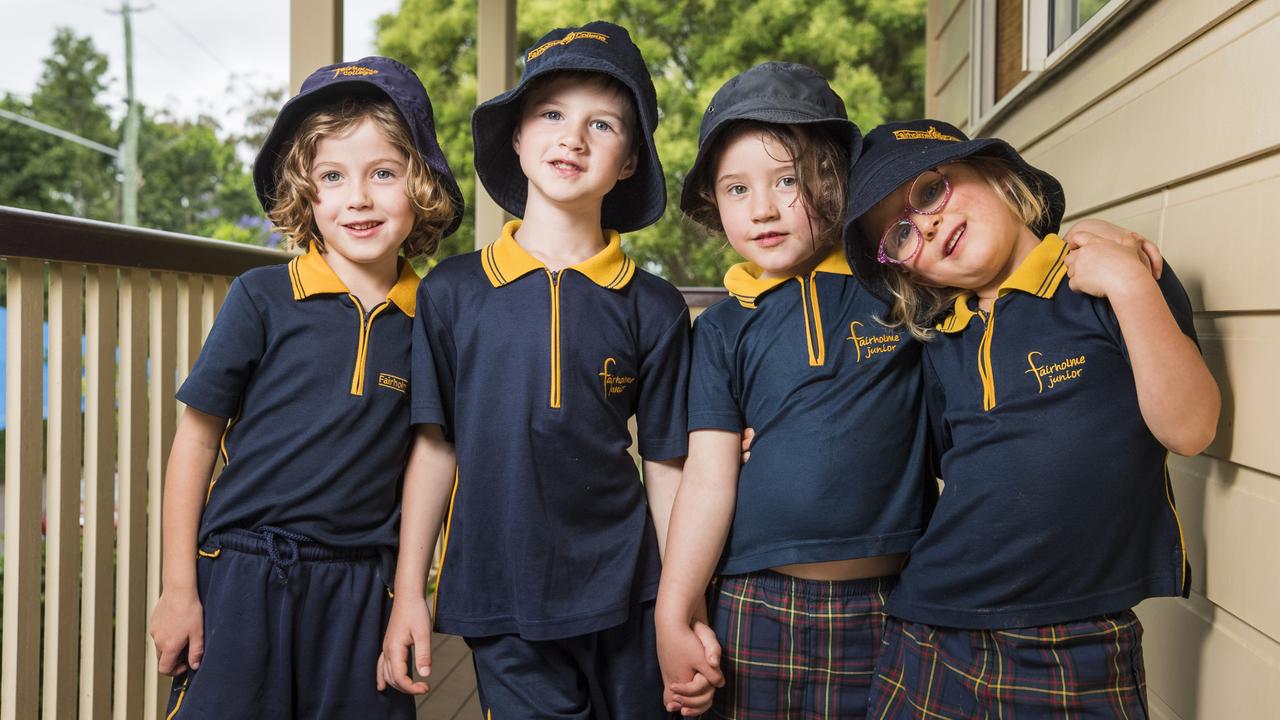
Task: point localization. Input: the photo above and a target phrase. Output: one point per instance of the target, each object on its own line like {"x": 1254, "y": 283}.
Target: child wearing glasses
{"x": 1057, "y": 380}
{"x": 806, "y": 539}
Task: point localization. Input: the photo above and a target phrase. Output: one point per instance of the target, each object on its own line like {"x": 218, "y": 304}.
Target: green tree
{"x": 871, "y": 50}
{"x": 51, "y": 174}
{"x": 193, "y": 182}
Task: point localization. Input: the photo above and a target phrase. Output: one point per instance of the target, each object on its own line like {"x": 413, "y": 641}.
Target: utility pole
{"x": 129, "y": 146}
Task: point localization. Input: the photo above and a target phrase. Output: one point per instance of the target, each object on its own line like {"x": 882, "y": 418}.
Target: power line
{"x": 59, "y": 132}
{"x": 195, "y": 40}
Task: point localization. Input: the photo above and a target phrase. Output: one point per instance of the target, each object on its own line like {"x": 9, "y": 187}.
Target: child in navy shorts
{"x": 276, "y": 580}
{"x": 530, "y": 356}
{"x": 807, "y": 538}
{"x": 1057, "y": 379}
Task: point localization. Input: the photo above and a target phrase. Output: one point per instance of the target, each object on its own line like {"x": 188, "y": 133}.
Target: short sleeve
{"x": 433, "y": 367}
{"x": 713, "y": 404}
{"x": 1175, "y": 296}
{"x": 663, "y": 399}
{"x": 229, "y": 358}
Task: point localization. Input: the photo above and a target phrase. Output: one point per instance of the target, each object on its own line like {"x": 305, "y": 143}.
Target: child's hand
{"x": 1091, "y": 229}
{"x": 748, "y": 435}
{"x": 1102, "y": 269}
{"x": 689, "y": 658}
{"x": 177, "y": 627}
{"x": 409, "y": 626}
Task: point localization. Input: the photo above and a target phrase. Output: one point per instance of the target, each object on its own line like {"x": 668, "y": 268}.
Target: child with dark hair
{"x": 806, "y": 540}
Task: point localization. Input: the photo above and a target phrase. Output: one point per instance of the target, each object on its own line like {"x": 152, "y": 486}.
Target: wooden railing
{"x": 143, "y": 302}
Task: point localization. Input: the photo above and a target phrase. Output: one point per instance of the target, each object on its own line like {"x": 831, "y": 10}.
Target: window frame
{"x": 1039, "y": 61}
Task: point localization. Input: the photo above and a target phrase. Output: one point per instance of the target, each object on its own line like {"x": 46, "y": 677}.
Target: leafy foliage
{"x": 192, "y": 179}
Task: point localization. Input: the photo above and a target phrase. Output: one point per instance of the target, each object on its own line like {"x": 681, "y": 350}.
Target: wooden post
{"x": 315, "y": 37}
{"x": 495, "y": 74}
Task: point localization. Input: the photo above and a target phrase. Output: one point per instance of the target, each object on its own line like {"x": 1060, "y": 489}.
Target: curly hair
{"x": 915, "y": 307}
{"x": 291, "y": 208}
{"x": 821, "y": 165}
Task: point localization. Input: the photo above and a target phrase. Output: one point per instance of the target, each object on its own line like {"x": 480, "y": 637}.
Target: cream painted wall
{"x": 1170, "y": 124}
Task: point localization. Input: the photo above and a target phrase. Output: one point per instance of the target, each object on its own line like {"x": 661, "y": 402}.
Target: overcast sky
{"x": 186, "y": 52}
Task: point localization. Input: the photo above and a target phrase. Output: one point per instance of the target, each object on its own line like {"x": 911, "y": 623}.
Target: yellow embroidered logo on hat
{"x": 354, "y": 70}
{"x": 575, "y": 35}
{"x": 930, "y": 134}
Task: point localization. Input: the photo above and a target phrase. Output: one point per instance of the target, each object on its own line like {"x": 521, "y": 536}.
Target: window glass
{"x": 1066, "y": 16}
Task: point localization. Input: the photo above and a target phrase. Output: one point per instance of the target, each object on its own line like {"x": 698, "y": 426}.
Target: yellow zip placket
{"x": 813, "y": 321}
{"x": 985, "y": 371}
{"x": 362, "y": 343}
{"x": 554, "y": 281}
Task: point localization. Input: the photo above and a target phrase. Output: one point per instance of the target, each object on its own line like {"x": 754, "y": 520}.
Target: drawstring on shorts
{"x": 280, "y": 563}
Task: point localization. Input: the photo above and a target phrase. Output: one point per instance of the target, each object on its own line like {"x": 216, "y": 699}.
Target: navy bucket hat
{"x": 602, "y": 47}
{"x": 374, "y": 77}
{"x": 774, "y": 92}
{"x": 896, "y": 152}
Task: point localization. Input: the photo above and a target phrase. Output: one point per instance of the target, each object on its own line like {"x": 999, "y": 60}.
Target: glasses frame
{"x": 905, "y": 217}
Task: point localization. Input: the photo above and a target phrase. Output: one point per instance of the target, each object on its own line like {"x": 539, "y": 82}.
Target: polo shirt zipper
{"x": 362, "y": 342}
{"x": 554, "y": 280}
{"x": 817, "y": 344}
{"x": 985, "y": 370}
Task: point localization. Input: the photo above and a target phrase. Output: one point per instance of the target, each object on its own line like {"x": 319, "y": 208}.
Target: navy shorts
{"x": 607, "y": 675}
{"x": 795, "y": 648}
{"x": 291, "y": 630}
{"x": 1082, "y": 669}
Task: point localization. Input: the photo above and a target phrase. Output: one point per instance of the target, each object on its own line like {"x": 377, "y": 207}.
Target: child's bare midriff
{"x": 855, "y": 569}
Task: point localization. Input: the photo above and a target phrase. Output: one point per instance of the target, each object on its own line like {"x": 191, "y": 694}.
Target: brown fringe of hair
{"x": 291, "y": 210}
{"x": 821, "y": 166}
{"x": 916, "y": 307}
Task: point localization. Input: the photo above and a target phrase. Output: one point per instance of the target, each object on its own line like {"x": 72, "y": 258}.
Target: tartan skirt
{"x": 795, "y": 648}
{"x": 1088, "y": 668}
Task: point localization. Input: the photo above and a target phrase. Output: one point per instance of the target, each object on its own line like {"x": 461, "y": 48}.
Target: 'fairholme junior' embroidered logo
{"x": 613, "y": 384}
{"x": 1054, "y": 374}
{"x": 871, "y": 345}
{"x": 354, "y": 71}
{"x": 930, "y": 134}
{"x": 387, "y": 380}
{"x": 575, "y": 35}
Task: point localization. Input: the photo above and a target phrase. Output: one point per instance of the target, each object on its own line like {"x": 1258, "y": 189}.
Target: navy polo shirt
{"x": 1057, "y": 504}
{"x": 316, "y": 387}
{"x": 838, "y": 465}
{"x": 533, "y": 375}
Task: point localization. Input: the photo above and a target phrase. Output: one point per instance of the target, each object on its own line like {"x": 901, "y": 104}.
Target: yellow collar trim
{"x": 311, "y": 275}
{"x": 1039, "y": 275}
{"x": 504, "y": 261}
{"x": 744, "y": 283}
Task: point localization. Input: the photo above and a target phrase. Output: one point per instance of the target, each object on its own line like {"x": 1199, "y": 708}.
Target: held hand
{"x": 177, "y": 627}
{"x": 1092, "y": 229}
{"x": 688, "y": 677}
{"x": 1102, "y": 269}
{"x": 409, "y": 626}
{"x": 748, "y": 435}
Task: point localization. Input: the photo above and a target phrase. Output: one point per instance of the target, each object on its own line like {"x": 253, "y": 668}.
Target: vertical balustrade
{"x": 131, "y": 525}
{"x": 22, "y": 490}
{"x": 163, "y": 351}
{"x": 62, "y": 492}
{"x": 96, "y": 609}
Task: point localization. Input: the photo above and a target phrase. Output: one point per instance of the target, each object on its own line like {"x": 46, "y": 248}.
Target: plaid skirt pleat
{"x": 1080, "y": 670}
{"x": 794, "y": 648}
